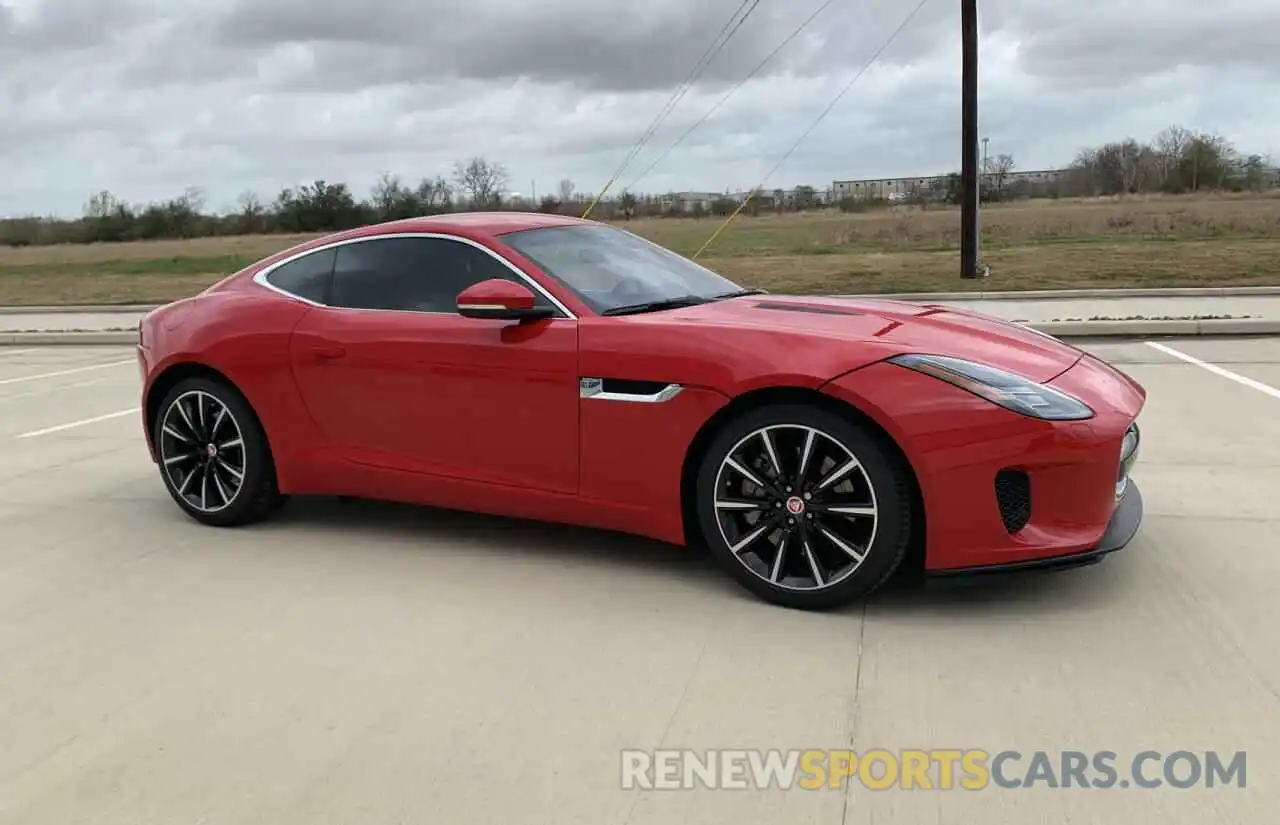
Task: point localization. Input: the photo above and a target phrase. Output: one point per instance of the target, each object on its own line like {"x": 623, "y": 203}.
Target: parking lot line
{"x": 1217, "y": 370}
{"x": 82, "y": 422}
{"x": 71, "y": 371}
{"x": 45, "y": 391}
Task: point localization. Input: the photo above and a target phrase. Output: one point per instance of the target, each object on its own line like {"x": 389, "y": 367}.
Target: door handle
{"x": 329, "y": 352}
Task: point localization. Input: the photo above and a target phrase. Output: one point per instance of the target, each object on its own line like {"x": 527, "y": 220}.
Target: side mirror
{"x": 502, "y": 299}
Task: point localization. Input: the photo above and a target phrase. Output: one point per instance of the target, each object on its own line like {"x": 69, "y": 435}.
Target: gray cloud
{"x": 1117, "y": 41}
{"x": 147, "y": 97}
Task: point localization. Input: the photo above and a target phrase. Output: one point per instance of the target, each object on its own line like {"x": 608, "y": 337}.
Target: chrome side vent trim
{"x": 635, "y": 392}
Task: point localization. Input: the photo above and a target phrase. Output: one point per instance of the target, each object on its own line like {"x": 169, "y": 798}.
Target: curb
{"x": 1073, "y": 294}
{"x": 1142, "y": 329}
{"x": 1058, "y": 329}
{"x": 1014, "y": 295}
{"x": 87, "y": 309}
{"x": 78, "y": 339}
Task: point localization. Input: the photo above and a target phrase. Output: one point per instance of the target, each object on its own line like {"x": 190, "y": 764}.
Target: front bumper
{"x": 1000, "y": 490}
{"x": 1120, "y": 531}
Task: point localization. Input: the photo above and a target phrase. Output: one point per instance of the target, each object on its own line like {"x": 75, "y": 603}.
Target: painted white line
{"x": 1217, "y": 370}
{"x": 71, "y": 371}
{"x": 70, "y": 425}
{"x": 74, "y": 385}
{"x": 7, "y": 351}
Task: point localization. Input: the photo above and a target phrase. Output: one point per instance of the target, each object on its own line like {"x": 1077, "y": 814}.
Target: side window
{"x": 307, "y": 277}
{"x": 413, "y": 274}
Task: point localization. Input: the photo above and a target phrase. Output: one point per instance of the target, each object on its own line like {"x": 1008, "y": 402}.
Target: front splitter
{"x": 1120, "y": 531}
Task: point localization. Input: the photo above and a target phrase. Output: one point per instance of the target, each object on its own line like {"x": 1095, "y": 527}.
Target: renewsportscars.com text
{"x": 933, "y": 769}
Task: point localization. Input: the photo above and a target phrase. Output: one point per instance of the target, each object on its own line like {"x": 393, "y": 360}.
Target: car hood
{"x": 895, "y": 327}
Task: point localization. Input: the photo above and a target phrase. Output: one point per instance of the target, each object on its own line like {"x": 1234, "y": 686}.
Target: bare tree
{"x": 193, "y": 199}
{"x": 628, "y": 203}
{"x": 482, "y": 181}
{"x": 388, "y": 193}
{"x": 1253, "y": 172}
{"x": 249, "y": 204}
{"x": 998, "y": 169}
{"x": 566, "y": 191}
{"x": 252, "y": 215}
{"x": 1170, "y": 146}
{"x": 101, "y": 205}
{"x": 435, "y": 194}
{"x": 1130, "y": 165}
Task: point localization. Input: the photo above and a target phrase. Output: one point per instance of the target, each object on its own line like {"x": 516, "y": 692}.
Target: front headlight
{"x": 1013, "y": 392}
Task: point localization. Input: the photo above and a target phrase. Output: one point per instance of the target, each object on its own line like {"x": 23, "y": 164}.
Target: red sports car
{"x": 564, "y": 370}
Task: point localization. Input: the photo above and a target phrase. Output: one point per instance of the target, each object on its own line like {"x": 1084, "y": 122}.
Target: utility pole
{"x": 969, "y": 140}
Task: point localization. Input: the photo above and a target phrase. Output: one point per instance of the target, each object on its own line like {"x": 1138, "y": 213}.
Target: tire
{"x": 235, "y": 485}
{"x": 851, "y": 550}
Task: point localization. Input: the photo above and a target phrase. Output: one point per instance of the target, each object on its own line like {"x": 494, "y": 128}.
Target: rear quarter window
{"x": 308, "y": 277}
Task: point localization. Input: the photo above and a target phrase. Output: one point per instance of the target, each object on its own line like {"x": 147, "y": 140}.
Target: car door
{"x": 396, "y": 378}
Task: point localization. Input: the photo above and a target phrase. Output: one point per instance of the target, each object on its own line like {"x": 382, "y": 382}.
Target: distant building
{"x": 788, "y": 197}
{"x": 689, "y": 202}
{"x": 896, "y": 189}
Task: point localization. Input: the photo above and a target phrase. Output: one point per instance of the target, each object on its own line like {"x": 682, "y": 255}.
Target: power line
{"x": 725, "y": 34}
{"x": 814, "y": 125}
{"x": 794, "y": 34}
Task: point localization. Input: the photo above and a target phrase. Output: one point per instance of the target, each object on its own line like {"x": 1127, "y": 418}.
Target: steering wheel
{"x": 629, "y": 285}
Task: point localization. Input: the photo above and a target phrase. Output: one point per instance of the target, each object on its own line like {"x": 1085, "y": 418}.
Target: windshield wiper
{"x": 681, "y": 301}
{"x": 653, "y": 306}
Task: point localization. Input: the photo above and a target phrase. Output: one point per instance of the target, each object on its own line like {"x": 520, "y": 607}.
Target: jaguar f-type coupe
{"x": 556, "y": 369}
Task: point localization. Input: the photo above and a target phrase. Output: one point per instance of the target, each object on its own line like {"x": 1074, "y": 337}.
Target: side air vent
{"x": 628, "y": 386}
{"x": 627, "y": 390}
{"x": 1013, "y": 496}
{"x": 809, "y": 308}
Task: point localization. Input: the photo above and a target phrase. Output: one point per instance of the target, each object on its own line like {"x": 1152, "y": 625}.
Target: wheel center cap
{"x": 211, "y": 450}
{"x": 795, "y": 505}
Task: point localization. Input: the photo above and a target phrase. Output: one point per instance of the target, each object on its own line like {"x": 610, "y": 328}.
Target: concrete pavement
{"x": 383, "y": 664}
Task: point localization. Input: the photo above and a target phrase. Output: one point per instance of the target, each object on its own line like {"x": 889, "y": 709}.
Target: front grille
{"x": 1013, "y": 495}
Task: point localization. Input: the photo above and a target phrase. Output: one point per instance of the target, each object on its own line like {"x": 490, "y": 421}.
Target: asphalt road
{"x": 384, "y": 664}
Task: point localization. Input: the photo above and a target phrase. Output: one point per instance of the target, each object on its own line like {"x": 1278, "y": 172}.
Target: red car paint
{"x": 486, "y": 415}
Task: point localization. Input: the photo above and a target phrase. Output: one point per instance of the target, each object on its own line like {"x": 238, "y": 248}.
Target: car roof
{"x": 475, "y": 226}
{"x": 472, "y": 223}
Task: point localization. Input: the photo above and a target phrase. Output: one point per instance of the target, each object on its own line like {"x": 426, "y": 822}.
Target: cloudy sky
{"x": 148, "y": 97}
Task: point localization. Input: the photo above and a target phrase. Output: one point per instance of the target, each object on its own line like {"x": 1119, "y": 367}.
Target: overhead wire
{"x": 874, "y": 57}
{"x": 726, "y": 33}
{"x": 794, "y": 34}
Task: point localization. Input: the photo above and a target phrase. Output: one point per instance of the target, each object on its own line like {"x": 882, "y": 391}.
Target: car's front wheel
{"x": 803, "y": 506}
{"x": 213, "y": 454}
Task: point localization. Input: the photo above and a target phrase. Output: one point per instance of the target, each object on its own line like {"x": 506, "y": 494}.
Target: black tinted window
{"x": 307, "y": 277}
{"x": 416, "y": 274}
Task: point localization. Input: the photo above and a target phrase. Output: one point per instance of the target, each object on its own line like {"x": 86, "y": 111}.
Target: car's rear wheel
{"x": 213, "y": 454}
{"x": 804, "y": 507}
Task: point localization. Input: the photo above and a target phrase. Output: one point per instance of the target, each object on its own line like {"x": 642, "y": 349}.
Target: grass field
{"x": 1139, "y": 241}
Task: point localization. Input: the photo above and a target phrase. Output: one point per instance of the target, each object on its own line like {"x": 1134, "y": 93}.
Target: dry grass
{"x": 1142, "y": 241}
{"x": 251, "y": 247}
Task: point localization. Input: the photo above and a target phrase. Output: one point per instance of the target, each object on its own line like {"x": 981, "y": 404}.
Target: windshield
{"x": 611, "y": 269}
